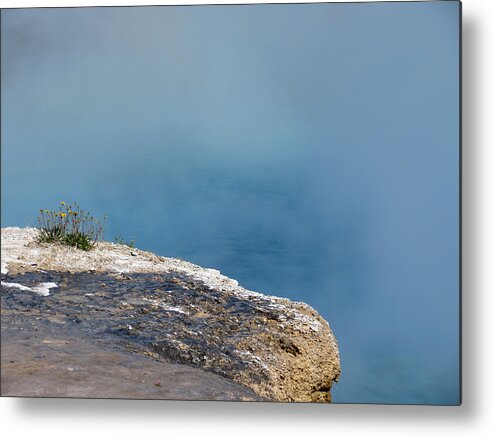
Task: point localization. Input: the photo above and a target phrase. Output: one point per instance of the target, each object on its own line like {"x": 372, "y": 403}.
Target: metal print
{"x": 236, "y": 202}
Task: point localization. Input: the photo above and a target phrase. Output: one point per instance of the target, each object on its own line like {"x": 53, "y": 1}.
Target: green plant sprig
{"x": 119, "y": 240}
{"x": 71, "y": 226}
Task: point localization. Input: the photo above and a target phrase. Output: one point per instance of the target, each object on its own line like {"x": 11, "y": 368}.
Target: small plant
{"x": 70, "y": 225}
{"x": 119, "y": 240}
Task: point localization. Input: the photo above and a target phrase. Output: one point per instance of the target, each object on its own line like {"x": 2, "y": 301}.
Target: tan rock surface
{"x": 282, "y": 350}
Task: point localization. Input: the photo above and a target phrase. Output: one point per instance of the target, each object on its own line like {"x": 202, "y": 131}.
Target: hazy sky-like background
{"x": 309, "y": 151}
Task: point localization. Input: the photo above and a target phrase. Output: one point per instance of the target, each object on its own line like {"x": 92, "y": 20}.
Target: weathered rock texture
{"x": 52, "y": 357}
{"x": 169, "y": 309}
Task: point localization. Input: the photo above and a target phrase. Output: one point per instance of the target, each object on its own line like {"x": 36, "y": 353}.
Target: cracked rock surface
{"x": 167, "y": 312}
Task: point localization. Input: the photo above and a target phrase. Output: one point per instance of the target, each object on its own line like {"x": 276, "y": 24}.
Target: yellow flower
{"x": 63, "y": 214}
{"x": 62, "y": 203}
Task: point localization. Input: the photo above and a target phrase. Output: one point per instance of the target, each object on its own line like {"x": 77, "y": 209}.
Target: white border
{"x": 61, "y": 3}
{"x": 76, "y": 418}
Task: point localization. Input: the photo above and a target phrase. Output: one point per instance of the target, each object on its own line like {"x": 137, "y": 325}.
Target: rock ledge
{"x": 174, "y": 310}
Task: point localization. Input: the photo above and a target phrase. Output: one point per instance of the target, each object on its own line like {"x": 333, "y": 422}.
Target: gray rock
{"x": 281, "y": 350}
{"x": 43, "y": 359}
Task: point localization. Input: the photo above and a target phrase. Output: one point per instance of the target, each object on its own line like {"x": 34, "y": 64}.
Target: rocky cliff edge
{"x": 167, "y": 309}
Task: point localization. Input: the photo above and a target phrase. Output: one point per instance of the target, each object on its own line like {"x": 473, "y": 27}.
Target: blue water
{"x": 309, "y": 151}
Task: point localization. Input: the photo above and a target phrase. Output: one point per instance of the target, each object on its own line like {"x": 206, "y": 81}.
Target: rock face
{"x": 173, "y": 312}
{"x": 46, "y": 356}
